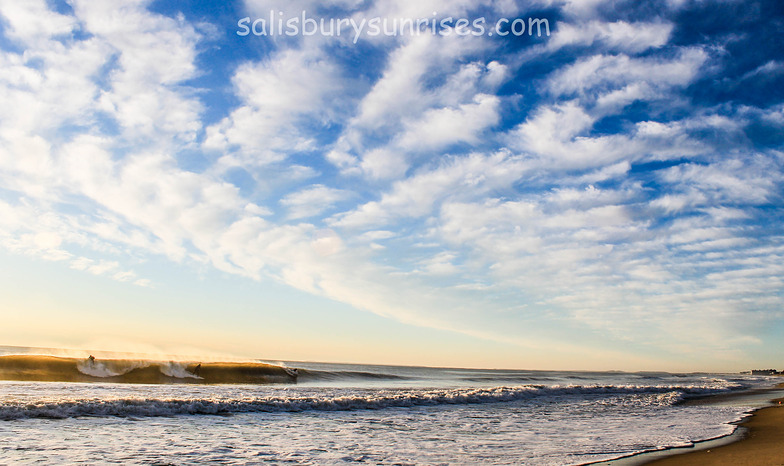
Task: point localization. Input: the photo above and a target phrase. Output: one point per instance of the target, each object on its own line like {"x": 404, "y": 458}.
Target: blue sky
{"x": 605, "y": 197}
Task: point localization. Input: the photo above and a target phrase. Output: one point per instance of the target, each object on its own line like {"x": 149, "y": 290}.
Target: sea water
{"x": 338, "y": 414}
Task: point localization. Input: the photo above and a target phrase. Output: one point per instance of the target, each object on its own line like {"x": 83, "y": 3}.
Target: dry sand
{"x": 762, "y": 446}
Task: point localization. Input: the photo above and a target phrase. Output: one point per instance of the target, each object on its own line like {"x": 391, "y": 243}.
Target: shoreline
{"x": 759, "y": 445}
{"x": 756, "y": 441}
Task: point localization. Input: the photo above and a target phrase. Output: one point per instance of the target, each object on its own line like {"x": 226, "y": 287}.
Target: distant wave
{"x": 507, "y": 379}
{"x": 310, "y": 374}
{"x": 379, "y": 399}
{"x": 61, "y": 369}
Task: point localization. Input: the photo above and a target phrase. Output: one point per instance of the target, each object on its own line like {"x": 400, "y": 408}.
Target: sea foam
{"x": 663, "y": 395}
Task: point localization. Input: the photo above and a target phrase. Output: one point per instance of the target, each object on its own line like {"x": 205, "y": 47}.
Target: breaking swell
{"x": 342, "y": 401}
{"x": 36, "y": 368}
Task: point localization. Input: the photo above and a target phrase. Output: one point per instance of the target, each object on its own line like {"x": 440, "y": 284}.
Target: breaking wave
{"x": 377, "y": 399}
{"x": 177, "y": 370}
{"x": 102, "y": 369}
{"x": 36, "y": 368}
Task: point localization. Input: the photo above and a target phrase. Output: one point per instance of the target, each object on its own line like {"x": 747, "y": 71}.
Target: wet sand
{"x": 762, "y": 445}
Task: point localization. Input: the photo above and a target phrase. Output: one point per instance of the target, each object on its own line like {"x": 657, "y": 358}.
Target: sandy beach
{"x": 762, "y": 445}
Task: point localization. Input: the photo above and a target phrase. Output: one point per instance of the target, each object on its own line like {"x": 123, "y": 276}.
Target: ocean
{"x": 339, "y": 413}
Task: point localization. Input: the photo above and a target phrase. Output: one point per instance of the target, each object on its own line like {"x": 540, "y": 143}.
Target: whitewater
{"x": 337, "y": 413}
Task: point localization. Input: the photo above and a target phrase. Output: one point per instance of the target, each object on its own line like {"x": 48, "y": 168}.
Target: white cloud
{"x": 50, "y": 84}
{"x": 424, "y": 8}
{"x": 154, "y": 54}
{"x": 772, "y": 67}
{"x": 440, "y": 264}
{"x": 32, "y": 22}
{"x": 277, "y": 94}
{"x": 384, "y": 163}
{"x": 619, "y": 35}
{"x": 417, "y": 196}
{"x": 312, "y": 200}
{"x": 735, "y": 181}
{"x": 399, "y": 91}
{"x": 559, "y": 136}
{"x": 607, "y": 72}
{"x": 262, "y": 8}
{"x": 375, "y": 235}
{"x": 49, "y": 236}
{"x": 408, "y": 116}
{"x": 560, "y": 139}
{"x": 443, "y": 127}
{"x": 598, "y": 256}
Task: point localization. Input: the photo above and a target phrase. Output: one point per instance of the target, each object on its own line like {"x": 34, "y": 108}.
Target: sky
{"x": 608, "y": 196}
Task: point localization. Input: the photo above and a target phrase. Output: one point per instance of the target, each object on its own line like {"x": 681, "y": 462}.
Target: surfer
{"x": 197, "y": 370}
{"x": 91, "y": 359}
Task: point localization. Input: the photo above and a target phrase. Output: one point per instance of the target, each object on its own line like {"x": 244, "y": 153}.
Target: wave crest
{"x": 105, "y": 369}
{"x": 644, "y": 395}
{"x": 59, "y": 369}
